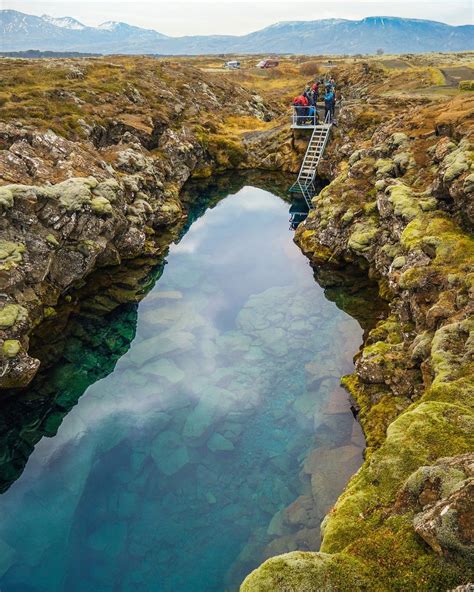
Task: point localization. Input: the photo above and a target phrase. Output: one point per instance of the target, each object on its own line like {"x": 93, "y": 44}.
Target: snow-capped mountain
{"x": 19, "y": 32}
{"x": 66, "y": 22}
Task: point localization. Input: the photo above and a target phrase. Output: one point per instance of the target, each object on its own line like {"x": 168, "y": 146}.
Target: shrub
{"x": 466, "y": 85}
{"x": 310, "y": 68}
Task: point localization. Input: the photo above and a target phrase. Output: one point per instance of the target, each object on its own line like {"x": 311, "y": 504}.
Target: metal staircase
{"x": 317, "y": 144}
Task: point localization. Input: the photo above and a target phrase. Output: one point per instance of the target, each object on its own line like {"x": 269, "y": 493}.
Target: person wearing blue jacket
{"x": 329, "y": 102}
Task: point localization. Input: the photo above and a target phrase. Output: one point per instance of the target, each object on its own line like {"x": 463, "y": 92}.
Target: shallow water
{"x": 220, "y": 437}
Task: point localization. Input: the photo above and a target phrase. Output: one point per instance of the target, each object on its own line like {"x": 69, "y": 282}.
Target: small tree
{"x": 380, "y": 51}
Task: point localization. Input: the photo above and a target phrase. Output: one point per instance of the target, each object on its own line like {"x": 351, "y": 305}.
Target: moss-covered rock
{"x": 11, "y": 314}
{"x": 73, "y": 193}
{"x": 456, "y": 162}
{"x": 385, "y": 167}
{"x": 101, "y": 205}
{"x": 10, "y": 348}
{"x": 52, "y": 240}
{"x": 448, "y": 525}
{"x": 404, "y": 201}
{"x": 11, "y": 254}
{"x": 399, "y": 262}
{"x": 108, "y": 189}
{"x": 363, "y": 236}
{"x": 6, "y": 197}
{"x": 306, "y": 572}
{"x": 404, "y": 160}
{"x": 398, "y": 139}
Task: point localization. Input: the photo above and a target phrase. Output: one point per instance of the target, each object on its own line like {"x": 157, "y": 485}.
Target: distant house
{"x": 232, "y": 65}
{"x": 268, "y": 64}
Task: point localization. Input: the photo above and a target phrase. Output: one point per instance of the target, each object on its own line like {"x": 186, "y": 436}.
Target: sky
{"x": 230, "y": 17}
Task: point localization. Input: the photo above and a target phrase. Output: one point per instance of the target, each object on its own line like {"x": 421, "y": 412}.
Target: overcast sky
{"x": 175, "y": 17}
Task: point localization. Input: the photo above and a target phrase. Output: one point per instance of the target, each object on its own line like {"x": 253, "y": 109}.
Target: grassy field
{"x": 62, "y": 93}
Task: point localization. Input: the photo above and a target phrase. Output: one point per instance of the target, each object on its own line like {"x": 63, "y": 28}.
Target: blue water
{"x": 220, "y": 437}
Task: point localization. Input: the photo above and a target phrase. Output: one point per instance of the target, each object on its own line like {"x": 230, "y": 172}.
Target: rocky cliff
{"x": 399, "y": 205}
{"x": 93, "y": 156}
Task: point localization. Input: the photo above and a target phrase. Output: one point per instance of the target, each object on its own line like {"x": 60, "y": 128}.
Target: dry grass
{"x": 45, "y": 94}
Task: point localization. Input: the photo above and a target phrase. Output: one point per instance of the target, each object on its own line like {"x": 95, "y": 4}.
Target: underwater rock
{"x": 169, "y": 452}
{"x": 7, "y": 557}
{"x": 203, "y": 416}
{"x": 218, "y": 443}
{"x": 164, "y": 368}
{"x": 165, "y": 343}
{"x": 109, "y": 537}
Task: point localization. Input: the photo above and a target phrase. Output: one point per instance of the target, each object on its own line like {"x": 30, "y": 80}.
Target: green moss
{"x": 307, "y": 572}
{"x": 398, "y": 139}
{"x": 49, "y": 311}
{"x": 307, "y": 240}
{"x": 384, "y": 167}
{"x": 73, "y": 193}
{"x": 52, "y": 240}
{"x": 6, "y": 197}
{"x": 11, "y": 314}
{"x": 404, "y": 160}
{"x": 388, "y": 330}
{"x": 449, "y": 479}
{"x": 399, "y": 262}
{"x": 425, "y": 431}
{"x": 458, "y": 162}
{"x": 226, "y": 151}
{"x": 101, "y": 205}
{"x": 202, "y": 172}
{"x": 468, "y": 185}
{"x": 108, "y": 189}
{"x": 453, "y": 373}
{"x": 404, "y": 202}
{"x": 355, "y": 156}
{"x": 347, "y": 217}
{"x": 363, "y": 236}
{"x": 11, "y": 254}
{"x": 420, "y": 349}
{"x": 454, "y": 247}
{"x": 370, "y": 207}
{"x": 10, "y": 348}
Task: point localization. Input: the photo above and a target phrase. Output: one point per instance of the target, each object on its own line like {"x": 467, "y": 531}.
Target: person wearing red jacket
{"x": 300, "y": 104}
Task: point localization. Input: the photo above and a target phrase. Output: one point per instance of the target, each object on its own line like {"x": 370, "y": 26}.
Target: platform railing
{"x": 301, "y": 118}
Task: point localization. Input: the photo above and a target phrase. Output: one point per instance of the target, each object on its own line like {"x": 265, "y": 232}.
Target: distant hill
{"x": 35, "y": 53}
{"x": 20, "y": 32}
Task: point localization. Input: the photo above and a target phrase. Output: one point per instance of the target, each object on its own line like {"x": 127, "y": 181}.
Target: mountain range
{"x": 20, "y": 32}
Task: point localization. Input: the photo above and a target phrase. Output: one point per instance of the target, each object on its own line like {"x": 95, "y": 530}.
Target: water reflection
{"x": 213, "y": 431}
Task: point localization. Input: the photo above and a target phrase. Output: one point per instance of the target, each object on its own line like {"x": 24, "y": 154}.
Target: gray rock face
{"x": 68, "y": 207}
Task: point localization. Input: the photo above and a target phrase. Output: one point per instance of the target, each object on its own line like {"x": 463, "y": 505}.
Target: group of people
{"x": 306, "y": 104}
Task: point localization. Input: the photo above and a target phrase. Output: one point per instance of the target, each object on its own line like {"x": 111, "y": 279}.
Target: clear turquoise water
{"x": 220, "y": 437}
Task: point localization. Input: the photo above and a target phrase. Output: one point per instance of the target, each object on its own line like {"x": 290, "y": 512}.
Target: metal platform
{"x": 300, "y": 119}
{"x": 314, "y": 152}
